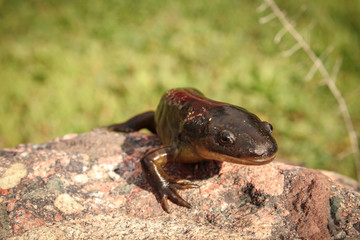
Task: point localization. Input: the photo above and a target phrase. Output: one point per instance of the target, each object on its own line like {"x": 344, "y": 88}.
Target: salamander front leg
{"x": 164, "y": 186}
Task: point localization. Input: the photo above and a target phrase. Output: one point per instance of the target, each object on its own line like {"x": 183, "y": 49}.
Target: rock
{"x": 90, "y": 186}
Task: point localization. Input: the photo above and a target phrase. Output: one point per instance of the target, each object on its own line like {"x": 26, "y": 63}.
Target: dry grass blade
{"x": 328, "y": 79}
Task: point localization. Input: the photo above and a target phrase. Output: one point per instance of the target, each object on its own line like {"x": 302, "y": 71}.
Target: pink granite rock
{"x": 90, "y": 186}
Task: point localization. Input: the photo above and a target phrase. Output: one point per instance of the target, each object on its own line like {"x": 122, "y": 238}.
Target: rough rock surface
{"x": 90, "y": 186}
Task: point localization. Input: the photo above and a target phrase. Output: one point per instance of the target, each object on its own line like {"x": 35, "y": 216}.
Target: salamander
{"x": 193, "y": 128}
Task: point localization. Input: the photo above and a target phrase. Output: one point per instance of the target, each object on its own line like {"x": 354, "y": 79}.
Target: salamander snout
{"x": 265, "y": 149}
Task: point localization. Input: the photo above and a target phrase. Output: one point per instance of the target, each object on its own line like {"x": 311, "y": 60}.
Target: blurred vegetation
{"x": 69, "y": 66}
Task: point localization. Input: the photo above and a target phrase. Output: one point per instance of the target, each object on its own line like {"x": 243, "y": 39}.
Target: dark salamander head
{"x": 235, "y": 135}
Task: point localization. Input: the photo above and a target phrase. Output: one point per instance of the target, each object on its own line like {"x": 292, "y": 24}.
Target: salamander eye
{"x": 268, "y": 127}
{"x": 226, "y": 137}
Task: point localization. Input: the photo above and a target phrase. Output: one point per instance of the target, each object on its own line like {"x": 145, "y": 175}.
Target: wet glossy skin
{"x": 193, "y": 128}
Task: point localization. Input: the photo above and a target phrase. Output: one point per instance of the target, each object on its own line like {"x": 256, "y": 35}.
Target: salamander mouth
{"x": 226, "y": 158}
{"x": 261, "y": 161}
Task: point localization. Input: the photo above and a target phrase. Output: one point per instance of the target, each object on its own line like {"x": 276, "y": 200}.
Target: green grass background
{"x": 69, "y": 66}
